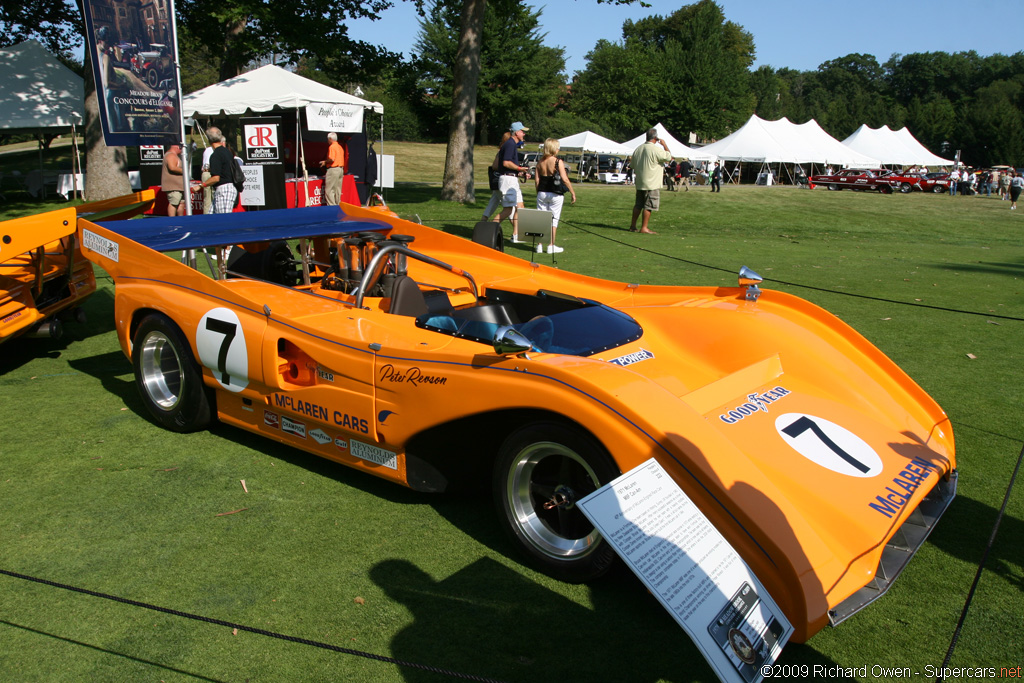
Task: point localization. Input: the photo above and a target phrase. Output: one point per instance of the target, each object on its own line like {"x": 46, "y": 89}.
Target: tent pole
{"x": 76, "y": 164}
{"x": 186, "y": 152}
{"x": 302, "y": 156}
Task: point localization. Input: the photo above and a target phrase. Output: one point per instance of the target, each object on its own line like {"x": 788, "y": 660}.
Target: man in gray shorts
{"x": 648, "y": 164}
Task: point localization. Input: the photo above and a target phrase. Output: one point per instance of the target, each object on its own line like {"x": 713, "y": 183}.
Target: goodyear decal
{"x": 293, "y": 427}
{"x": 320, "y": 436}
{"x": 755, "y": 403}
{"x": 630, "y": 358}
{"x": 318, "y": 412}
{"x": 101, "y": 245}
{"x": 324, "y": 373}
{"x": 374, "y": 454}
{"x": 902, "y": 487}
{"x": 11, "y": 317}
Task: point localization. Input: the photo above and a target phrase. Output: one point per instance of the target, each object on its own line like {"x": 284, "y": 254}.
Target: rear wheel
{"x": 542, "y": 471}
{"x": 938, "y": 189}
{"x": 168, "y": 377}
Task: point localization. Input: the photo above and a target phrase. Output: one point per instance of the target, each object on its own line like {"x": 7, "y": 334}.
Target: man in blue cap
{"x": 508, "y": 182}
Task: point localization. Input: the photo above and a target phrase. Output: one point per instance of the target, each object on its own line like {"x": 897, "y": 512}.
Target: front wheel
{"x": 168, "y": 377}
{"x": 905, "y": 188}
{"x": 542, "y": 471}
{"x": 834, "y": 187}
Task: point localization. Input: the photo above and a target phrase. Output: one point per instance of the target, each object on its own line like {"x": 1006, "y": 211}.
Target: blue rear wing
{"x": 216, "y": 230}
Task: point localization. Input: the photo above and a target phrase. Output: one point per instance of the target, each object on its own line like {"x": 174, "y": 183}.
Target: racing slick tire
{"x": 834, "y": 187}
{"x": 547, "y": 463}
{"x": 488, "y": 233}
{"x": 168, "y": 377}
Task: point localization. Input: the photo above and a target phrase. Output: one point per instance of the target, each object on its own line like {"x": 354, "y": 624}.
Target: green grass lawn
{"x": 96, "y": 496}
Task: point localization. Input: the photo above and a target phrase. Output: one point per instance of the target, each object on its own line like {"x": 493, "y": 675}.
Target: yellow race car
{"x": 43, "y": 275}
{"x": 428, "y": 360}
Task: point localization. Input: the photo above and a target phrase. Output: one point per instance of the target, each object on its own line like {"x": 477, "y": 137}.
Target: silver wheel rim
{"x": 541, "y": 471}
{"x": 161, "y": 367}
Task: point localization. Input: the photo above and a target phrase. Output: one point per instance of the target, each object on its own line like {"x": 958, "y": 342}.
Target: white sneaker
{"x": 516, "y": 240}
{"x": 552, "y": 249}
{"x": 540, "y": 248}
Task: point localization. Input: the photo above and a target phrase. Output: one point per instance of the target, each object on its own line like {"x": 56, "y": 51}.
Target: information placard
{"x": 691, "y": 569}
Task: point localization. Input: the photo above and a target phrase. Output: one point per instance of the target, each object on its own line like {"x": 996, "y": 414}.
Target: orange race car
{"x": 43, "y": 275}
{"x": 423, "y": 358}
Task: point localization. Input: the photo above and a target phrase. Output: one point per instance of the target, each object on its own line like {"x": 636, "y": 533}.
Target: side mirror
{"x": 750, "y": 279}
{"x": 510, "y": 341}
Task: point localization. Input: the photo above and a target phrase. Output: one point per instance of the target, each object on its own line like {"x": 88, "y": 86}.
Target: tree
{"x": 57, "y": 24}
{"x": 520, "y": 78}
{"x": 237, "y": 31}
{"x": 687, "y": 70}
{"x": 458, "y": 166}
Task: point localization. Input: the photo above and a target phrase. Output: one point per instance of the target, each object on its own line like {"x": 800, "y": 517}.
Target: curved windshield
{"x": 553, "y": 323}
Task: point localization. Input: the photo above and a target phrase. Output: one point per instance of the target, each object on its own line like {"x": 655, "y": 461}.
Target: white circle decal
{"x": 221, "y": 347}
{"x": 829, "y": 445}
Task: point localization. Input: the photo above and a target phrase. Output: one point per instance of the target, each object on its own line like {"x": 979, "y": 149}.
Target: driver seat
{"x": 407, "y": 298}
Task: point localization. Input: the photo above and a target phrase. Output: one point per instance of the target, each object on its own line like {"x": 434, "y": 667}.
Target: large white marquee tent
{"x": 37, "y": 92}
{"x": 675, "y": 148}
{"x": 592, "y": 143}
{"x": 782, "y": 141}
{"x": 893, "y": 147}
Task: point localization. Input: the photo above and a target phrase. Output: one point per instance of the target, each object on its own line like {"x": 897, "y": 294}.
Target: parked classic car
{"x": 905, "y": 182}
{"x": 434, "y": 362}
{"x": 935, "y": 182}
{"x": 153, "y": 65}
{"x": 858, "y": 179}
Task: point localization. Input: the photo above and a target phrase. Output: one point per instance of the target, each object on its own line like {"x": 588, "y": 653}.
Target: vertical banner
{"x": 133, "y": 51}
{"x": 263, "y": 155}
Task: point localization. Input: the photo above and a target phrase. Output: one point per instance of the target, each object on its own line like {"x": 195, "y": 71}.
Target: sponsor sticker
{"x": 293, "y": 427}
{"x": 271, "y": 419}
{"x": 101, "y": 245}
{"x": 755, "y": 403}
{"x": 324, "y": 374}
{"x": 630, "y": 358}
{"x": 374, "y": 454}
{"x": 320, "y": 436}
{"x": 341, "y": 443}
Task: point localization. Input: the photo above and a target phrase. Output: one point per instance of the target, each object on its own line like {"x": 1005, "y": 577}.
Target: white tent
{"x": 893, "y": 147}
{"x": 594, "y": 143}
{"x": 675, "y": 148}
{"x": 783, "y": 141}
{"x": 265, "y": 89}
{"x": 926, "y": 158}
{"x": 37, "y": 92}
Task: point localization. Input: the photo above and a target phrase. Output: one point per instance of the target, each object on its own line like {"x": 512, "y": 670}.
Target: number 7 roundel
{"x": 221, "y": 347}
{"x": 829, "y": 445}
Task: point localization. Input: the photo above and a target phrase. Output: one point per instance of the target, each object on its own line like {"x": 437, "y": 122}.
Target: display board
{"x": 692, "y": 570}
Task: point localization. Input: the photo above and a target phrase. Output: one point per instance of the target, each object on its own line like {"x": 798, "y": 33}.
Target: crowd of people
{"x": 1006, "y": 183}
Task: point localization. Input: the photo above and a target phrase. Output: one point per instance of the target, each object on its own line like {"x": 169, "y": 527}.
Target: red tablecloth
{"x": 295, "y": 192}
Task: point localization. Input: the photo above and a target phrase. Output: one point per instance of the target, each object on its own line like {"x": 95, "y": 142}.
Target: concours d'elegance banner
{"x": 134, "y": 55}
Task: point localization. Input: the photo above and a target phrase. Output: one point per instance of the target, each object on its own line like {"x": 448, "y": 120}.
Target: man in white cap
{"x": 508, "y": 182}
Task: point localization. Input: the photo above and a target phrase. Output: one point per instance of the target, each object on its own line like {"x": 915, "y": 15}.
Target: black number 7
{"x": 228, "y": 330}
{"x": 803, "y": 423}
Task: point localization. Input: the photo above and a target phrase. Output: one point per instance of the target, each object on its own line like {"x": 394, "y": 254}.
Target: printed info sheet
{"x": 692, "y": 570}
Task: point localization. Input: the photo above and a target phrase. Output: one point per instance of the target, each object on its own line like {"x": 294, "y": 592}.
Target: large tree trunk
{"x": 458, "y": 163}
{"x": 106, "y": 168}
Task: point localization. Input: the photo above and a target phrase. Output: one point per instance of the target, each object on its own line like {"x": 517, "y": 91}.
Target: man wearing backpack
{"x": 225, "y": 195}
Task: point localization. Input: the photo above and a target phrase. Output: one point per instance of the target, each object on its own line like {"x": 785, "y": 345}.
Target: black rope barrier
{"x": 981, "y": 568}
{"x": 250, "y": 629}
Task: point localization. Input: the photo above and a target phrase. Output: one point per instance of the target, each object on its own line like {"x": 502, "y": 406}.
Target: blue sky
{"x": 799, "y": 35}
